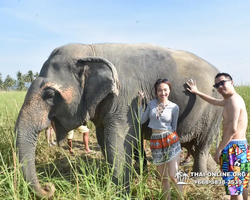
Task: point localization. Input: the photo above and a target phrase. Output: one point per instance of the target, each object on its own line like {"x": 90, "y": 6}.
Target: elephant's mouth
{"x": 59, "y": 129}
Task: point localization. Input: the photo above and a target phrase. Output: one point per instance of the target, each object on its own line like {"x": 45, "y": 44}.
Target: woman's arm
{"x": 144, "y": 116}
{"x": 175, "y": 115}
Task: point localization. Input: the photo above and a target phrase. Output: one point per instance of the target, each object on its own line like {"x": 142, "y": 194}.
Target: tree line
{"x": 21, "y": 83}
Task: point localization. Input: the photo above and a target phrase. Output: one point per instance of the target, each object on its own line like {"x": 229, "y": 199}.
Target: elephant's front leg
{"x": 203, "y": 161}
{"x": 200, "y": 159}
{"x": 100, "y": 137}
{"x": 118, "y": 152}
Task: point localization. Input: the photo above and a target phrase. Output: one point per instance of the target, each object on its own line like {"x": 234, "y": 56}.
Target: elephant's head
{"x": 65, "y": 94}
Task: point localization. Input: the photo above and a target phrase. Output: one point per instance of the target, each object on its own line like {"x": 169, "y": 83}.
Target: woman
{"x": 164, "y": 143}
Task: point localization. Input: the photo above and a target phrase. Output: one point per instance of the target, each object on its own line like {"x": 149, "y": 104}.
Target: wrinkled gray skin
{"x": 100, "y": 83}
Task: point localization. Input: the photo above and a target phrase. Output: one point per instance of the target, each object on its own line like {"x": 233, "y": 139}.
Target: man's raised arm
{"x": 193, "y": 89}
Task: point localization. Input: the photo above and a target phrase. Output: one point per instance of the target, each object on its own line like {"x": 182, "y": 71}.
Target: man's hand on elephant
{"x": 217, "y": 156}
{"x": 192, "y": 86}
{"x": 141, "y": 96}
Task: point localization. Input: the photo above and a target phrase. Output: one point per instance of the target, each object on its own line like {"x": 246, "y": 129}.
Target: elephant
{"x": 100, "y": 83}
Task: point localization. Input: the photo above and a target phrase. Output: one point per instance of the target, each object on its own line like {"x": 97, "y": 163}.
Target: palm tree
{"x": 1, "y": 82}
{"x": 8, "y": 82}
{"x": 19, "y": 75}
{"x": 21, "y": 85}
{"x": 20, "y": 80}
{"x": 29, "y": 77}
{"x": 36, "y": 75}
{"x": 26, "y": 78}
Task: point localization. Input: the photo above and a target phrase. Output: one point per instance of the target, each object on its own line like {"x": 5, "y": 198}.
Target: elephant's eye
{"x": 48, "y": 93}
{"x": 51, "y": 96}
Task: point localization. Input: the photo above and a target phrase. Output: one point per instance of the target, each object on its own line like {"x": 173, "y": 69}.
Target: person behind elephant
{"x": 164, "y": 142}
{"x": 233, "y": 153}
{"x": 49, "y": 136}
{"x": 85, "y": 131}
{"x": 185, "y": 160}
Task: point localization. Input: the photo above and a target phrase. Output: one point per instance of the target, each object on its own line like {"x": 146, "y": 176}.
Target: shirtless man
{"x": 232, "y": 153}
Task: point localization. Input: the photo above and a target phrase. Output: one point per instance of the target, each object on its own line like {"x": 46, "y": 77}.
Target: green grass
{"x": 244, "y": 91}
{"x": 84, "y": 177}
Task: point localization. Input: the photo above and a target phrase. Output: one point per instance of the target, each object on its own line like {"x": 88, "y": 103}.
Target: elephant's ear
{"x": 98, "y": 79}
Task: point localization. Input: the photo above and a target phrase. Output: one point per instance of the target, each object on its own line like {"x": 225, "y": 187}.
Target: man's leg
{"x": 188, "y": 157}
{"x": 47, "y": 134}
{"x": 86, "y": 142}
{"x": 245, "y": 193}
{"x": 229, "y": 154}
{"x": 245, "y": 190}
{"x": 51, "y": 137}
{"x": 236, "y": 197}
{"x": 70, "y": 143}
{"x": 85, "y": 131}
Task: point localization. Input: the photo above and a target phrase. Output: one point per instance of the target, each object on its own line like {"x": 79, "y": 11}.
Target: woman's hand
{"x": 140, "y": 96}
{"x": 192, "y": 86}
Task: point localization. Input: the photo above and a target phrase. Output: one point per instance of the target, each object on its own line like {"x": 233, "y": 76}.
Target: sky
{"x": 216, "y": 30}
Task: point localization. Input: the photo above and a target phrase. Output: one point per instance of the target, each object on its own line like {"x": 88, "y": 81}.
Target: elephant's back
{"x": 140, "y": 53}
{"x": 144, "y": 63}
{"x": 150, "y": 62}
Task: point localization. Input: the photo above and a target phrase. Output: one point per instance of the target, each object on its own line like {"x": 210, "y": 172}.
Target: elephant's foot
{"x": 200, "y": 162}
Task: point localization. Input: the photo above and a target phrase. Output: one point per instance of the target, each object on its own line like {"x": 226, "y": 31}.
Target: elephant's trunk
{"x": 32, "y": 118}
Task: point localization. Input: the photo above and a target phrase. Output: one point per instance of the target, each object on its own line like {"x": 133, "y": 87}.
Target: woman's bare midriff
{"x": 157, "y": 131}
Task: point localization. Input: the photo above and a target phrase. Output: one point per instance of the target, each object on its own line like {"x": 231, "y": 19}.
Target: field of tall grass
{"x": 83, "y": 176}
